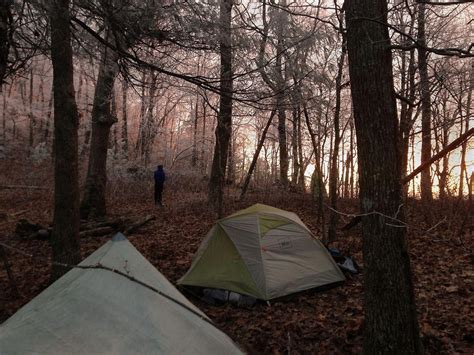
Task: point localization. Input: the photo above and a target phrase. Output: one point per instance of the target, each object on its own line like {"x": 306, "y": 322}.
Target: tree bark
{"x": 390, "y": 313}
{"x": 425, "y": 182}
{"x": 65, "y": 234}
{"x": 93, "y": 202}
{"x": 224, "y": 117}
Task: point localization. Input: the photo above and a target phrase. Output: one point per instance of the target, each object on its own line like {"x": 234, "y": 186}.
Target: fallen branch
{"x": 96, "y": 232}
{"x": 134, "y": 227}
{"x": 451, "y": 146}
{"x": 12, "y": 187}
{"x": 118, "y": 224}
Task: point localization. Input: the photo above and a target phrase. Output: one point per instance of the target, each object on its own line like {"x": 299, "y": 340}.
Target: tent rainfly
{"x": 262, "y": 252}
{"x": 96, "y": 311}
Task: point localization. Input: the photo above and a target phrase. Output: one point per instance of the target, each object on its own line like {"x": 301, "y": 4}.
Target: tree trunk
{"x": 194, "y": 157}
{"x": 302, "y": 165}
{"x": 5, "y": 37}
{"x": 93, "y": 202}
{"x": 425, "y": 182}
{"x": 124, "y": 120}
{"x": 318, "y": 190}
{"x": 4, "y": 117}
{"x": 255, "y": 156}
{"x": 463, "y": 172}
{"x": 31, "y": 116}
{"x": 230, "y": 173}
{"x": 224, "y": 118}
{"x": 390, "y": 313}
{"x": 334, "y": 172}
{"x": 65, "y": 233}
{"x": 281, "y": 94}
{"x": 49, "y": 113}
{"x": 148, "y": 133}
{"x": 408, "y": 89}
{"x": 204, "y": 156}
{"x": 141, "y": 127}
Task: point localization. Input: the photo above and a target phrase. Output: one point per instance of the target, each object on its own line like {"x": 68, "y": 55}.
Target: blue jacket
{"x": 159, "y": 176}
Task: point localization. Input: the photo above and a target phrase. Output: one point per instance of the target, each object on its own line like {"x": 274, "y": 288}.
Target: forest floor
{"x": 308, "y": 322}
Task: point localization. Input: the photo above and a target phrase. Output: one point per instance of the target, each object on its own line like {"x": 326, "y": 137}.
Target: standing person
{"x": 159, "y": 181}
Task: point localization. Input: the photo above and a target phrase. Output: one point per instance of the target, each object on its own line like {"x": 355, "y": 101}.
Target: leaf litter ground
{"x": 308, "y": 322}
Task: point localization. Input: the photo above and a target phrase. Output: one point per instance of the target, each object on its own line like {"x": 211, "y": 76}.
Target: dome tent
{"x": 264, "y": 252}
{"x": 96, "y": 311}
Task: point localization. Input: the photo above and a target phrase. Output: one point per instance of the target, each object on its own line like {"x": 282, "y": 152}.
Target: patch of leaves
{"x": 313, "y": 321}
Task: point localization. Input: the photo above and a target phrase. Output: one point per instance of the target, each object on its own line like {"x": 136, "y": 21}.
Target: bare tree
{"x": 93, "y": 203}
{"x": 65, "y": 234}
{"x": 425, "y": 183}
{"x": 224, "y": 118}
{"x": 389, "y": 301}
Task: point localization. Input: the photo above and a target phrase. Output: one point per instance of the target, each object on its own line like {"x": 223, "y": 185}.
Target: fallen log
{"x": 96, "y": 232}
{"x": 118, "y": 224}
{"x": 134, "y": 227}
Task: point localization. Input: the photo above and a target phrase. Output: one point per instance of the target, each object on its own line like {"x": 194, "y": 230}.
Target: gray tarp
{"x": 96, "y": 311}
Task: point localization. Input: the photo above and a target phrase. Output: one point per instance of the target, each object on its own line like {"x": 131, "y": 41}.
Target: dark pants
{"x": 158, "y": 193}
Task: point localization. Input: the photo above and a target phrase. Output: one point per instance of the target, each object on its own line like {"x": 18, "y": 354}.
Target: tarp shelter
{"x": 97, "y": 311}
{"x": 263, "y": 252}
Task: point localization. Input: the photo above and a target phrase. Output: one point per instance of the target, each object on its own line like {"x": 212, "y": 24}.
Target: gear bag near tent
{"x": 263, "y": 252}
{"x": 97, "y": 311}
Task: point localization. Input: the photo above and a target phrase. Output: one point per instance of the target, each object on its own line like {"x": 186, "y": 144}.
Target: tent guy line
{"x": 115, "y": 271}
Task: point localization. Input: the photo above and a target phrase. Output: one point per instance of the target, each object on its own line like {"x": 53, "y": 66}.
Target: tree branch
{"x": 453, "y": 145}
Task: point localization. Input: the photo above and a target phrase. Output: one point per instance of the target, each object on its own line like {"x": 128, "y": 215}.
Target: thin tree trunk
{"x": 352, "y": 159}
{"x": 230, "y": 173}
{"x": 317, "y": 182}
{"x": 194, "y": 157}
{"x": 294, "y": 146}
{"x": 31, "y": 116}
{"x": 65, "y": 233}
{"x": 150, "y": 125}
{"x": 88, "y": 124}
{"x": 334, "y": 172}
{"x": 425, "y": 182}
{"x": 140, "y": 137}
{"x": 278, "y": 86}
{"x": 203, "y": 146}
{"x": 49, "y": 113}
{"x": 93, "y": 203}
{"x": 463, "y": 168}
{"x": 5, "y": 37}
{"x": 255, "y": 156}
{"x": 4, "y": 117}
{"x": 124, "y": 119}
{"x": 302, "y": 166}
{"x": 113, "y": 112}
{"x": 224, "y": 118}
{"x": 390, "y": 324}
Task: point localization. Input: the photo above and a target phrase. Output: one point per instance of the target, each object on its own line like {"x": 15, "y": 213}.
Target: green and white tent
{"x": 263, "y": 252}
{"x": 96, "y": 311}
